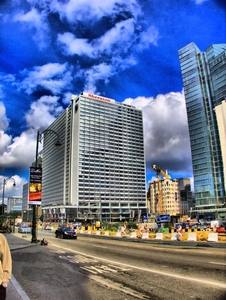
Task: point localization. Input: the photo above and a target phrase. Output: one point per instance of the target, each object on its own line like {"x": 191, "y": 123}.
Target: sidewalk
{"x": 14, "y": 290}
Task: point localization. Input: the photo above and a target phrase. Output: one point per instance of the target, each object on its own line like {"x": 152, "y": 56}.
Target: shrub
{"x": 113, "y": 229}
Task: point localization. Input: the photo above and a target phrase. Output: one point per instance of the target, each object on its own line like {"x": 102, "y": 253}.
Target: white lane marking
{"x": 118, "y": 287}
{"x": 57, "y": 251}
{"x": 177, "y": 276}
{"x": 217, "y": 263}
{"x": 95, "y": 270}
{"x": 99, "y": 246}
{"x": 102, "y": 269}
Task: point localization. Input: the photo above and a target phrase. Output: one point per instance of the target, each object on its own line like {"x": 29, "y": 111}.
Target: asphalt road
{"x": 114, "y": 269}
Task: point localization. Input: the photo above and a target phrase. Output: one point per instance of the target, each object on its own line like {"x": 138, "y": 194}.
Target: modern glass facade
{"x": 204, "y": 83}
{"x": 102, "y": 174}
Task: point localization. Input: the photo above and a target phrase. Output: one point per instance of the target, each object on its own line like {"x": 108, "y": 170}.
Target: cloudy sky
{"x": 125, "y": 50}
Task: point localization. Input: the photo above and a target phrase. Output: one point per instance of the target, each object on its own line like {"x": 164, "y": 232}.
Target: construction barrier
{"x": 159, "y": 236}
{"x": 145, "y": 235}
{"x": 133, "y": 235}
{"x": 118, "y": 234}
{"x": 212, "y": 237}
{"x": 174, "y": 236}
{"x": 192, "y": 236}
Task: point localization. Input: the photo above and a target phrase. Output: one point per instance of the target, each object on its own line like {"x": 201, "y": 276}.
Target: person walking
{"x": 5, "y": 266}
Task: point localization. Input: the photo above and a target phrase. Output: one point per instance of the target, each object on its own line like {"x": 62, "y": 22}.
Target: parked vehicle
{"x": 47, "y": 227}
{"x": 221, "y": 229}
{"x": 24, "y": 229}
{"x": 5, "y": 229}
{"x": 65, "y": 233}
{"x": 216, "y": 223}
{"x": 183, "y": 225}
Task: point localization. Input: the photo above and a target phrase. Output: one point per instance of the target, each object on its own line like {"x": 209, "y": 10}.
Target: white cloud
{"x": 200, "y": 1}
{"x": 92, "y": 11}
{"x": 36, "y": 20}
{"x": 5, "y": 141}
{"x": 118, "y": 39}
{"x": 53, "y": 77}
{"x": 4, "y": 121}
{"x": 95, "y": 74}
{"x": 10, "y": 190}
{"x": 72, "y": 45}
{"x": 117, "y": 47}
{"x": 147, "y": 37}
{"x": 19, "y": 152}
{"x": 167, "y": 141}
{"x": 43, "y": 112}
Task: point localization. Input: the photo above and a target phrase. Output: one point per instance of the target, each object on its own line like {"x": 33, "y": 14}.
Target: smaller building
{"x": 17, "y": 207}
{"x": 12, "y": 201}
{"x": 170, "y": 196}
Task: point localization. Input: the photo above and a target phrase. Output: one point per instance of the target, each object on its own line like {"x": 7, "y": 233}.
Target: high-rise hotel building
{"x": 204, "y": 80}
{"x": 99, "y": 171}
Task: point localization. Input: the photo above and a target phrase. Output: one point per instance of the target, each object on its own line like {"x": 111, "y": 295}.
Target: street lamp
{"x": 39, "y": 140}
{"x": 3, "y": 190}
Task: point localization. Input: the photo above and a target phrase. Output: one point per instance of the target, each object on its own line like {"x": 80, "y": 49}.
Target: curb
{"x": 18, "y": 289}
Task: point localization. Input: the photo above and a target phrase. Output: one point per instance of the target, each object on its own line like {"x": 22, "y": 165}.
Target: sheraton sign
{"x": 89, "y": 95}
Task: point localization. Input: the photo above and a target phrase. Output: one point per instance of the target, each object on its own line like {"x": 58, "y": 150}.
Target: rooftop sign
{"x": 97, "y": 97}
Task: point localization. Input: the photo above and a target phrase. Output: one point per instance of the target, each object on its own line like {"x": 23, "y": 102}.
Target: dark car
{"x": 65, "y": 233}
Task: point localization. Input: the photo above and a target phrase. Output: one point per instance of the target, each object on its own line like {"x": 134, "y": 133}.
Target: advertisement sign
{"x": 163, "y": 218}
{"x": 145, "y": 218}
{"x": 35, "y": 186}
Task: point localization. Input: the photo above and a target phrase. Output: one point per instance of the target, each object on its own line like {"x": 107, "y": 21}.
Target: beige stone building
{"x": 170, "y": 196}
{"x": 164, "y": 197}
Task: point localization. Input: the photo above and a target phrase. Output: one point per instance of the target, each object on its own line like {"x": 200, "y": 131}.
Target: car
{"x": 47, "y": 227}
{"x": 5, "y": 229}
{"x": 221, "y": 229}
{"x": 183, "y": 225}
{"x": 24, "y": 229}
{"x": 65, "y": 233}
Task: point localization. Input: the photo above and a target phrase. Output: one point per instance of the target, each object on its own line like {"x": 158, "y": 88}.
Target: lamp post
{"x": 39, "y": 140}
{"x": 3, "y": 190}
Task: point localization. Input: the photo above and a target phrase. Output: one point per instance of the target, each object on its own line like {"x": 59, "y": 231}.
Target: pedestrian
{"x": 5, "y": 266}
{"x": 44, "y": 242}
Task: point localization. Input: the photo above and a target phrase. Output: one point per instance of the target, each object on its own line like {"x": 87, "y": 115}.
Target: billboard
{"x": 35, "y": 186}
{"x": 163, "y": 218}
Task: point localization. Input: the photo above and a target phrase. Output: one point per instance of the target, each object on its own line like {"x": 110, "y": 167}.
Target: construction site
{"x": 169, "y": 200}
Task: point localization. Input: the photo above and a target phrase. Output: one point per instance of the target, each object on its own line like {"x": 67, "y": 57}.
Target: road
{"x": 120, "y": 269}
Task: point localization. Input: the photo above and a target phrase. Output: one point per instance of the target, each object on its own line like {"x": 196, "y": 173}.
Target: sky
{"x": 120, "y": 49}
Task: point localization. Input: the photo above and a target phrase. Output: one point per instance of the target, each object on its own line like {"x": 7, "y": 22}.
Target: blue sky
{"x": 125, "y": 50}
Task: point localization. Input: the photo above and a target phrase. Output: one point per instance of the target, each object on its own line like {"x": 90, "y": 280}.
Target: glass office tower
{"x": 204, "y": 83}
{"x": 101, "y": 164}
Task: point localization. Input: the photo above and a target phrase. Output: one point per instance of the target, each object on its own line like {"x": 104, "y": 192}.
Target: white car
{"x": 24, "y": 229}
